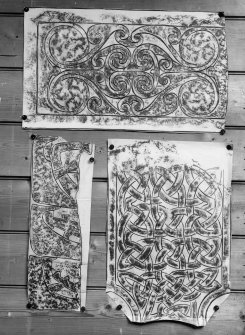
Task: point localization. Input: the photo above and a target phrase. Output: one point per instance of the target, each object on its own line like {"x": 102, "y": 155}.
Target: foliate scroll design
{"x": 168, "y": 231}
{"x": 132, "y": 70}
{"x": 55, "y": 248}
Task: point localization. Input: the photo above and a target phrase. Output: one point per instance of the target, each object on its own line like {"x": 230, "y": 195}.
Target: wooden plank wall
{"x": 15, "y": 145}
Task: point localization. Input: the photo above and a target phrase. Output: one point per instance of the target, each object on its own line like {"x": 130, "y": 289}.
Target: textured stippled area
{"x": 169, "y": 233}
{"x": 55, "y": 232}
{"x": 53, "y": 283}
{"x": 56, "y": 246}
{"x": 163, "y": 70}
{"x": 56, "y": 171}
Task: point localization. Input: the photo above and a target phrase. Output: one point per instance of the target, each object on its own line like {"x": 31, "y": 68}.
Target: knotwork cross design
{"x": 169, "y": 257}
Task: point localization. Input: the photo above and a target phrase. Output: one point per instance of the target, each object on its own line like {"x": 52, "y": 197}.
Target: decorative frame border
{"x": 33, "y": 120}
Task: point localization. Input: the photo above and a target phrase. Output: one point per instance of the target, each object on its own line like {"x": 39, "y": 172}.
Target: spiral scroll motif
{"x": 198, "y": 47}
{"x": 198, "y": 97}
{"x": 135, "y": 70}
{"x": 68, "y": 92}
{"x": 66, "y": 44}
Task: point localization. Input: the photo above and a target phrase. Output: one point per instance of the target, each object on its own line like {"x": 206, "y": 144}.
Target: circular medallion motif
{"x": 198, "y": 47}
{"x": 197, "y": 98}
{"x": 66, "y": 44}
{"x": 68, "y": 93}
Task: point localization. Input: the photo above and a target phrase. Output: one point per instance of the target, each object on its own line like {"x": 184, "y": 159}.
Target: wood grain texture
{"x": 11, "y": 98}
{"x": 11, "y": 95}
{"x": 236, "y": 101}
{"x": 14, "y": 300}
{"x": 102, "y": 318}
{"x": 11, "y": 43}
{"x": 13, "y": 261}
{"x": 15, "y": 150}
{"x": 113, "y": 326}
{"x": 13, "y": 304}
{"x": 15, "y": 198}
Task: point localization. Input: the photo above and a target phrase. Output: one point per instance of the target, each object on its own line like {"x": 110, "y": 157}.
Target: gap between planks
{"x": 20, "y": 68}
{"x": 19, "y": 123}
{"x": 92, "y": 233}
{"x": 95, "y": 179}
{"x": 26, "y": 232}
{"x": 21, "y": 14}
{"x": 90, "y": 288}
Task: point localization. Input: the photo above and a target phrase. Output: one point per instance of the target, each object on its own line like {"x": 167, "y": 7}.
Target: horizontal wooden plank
{"x": 15, "y": 149}
{"x": 234, "y": 7}
{"x": 11, "y": 95}
{"x": 11, "y": 42}
{"x": 236, "y": 101}
{"x": 13, "y": 304}
{"x": 238, "y": 209}
{"x": 15, "y": 194}
{"x": 102, "y": 318}
{"x": 78, "y": 326}
{"x": 235, "y": 45}
{"x": 11, "y": 91}
{"x": 13, "y": 264}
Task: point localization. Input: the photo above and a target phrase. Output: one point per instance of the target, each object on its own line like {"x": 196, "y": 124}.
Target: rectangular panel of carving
{"x": 112, "y": 69}
{"x": 59, "y": 223}
{"x": 168, "y": 229}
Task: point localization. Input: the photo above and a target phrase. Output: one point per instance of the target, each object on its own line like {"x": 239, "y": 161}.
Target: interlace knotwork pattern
{"x": 169, "y": 229}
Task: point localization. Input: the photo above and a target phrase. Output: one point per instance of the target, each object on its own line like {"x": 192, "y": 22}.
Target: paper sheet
{"x": 59, "y": 223}
{"x": 136, "y": 70}
{"x": 168, "y": 229}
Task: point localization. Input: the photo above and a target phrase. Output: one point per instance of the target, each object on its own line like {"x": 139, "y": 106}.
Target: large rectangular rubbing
{"x": 59, "y": 223}
{"x": 168, "y": 229}
{"x": 136, "y": 70}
